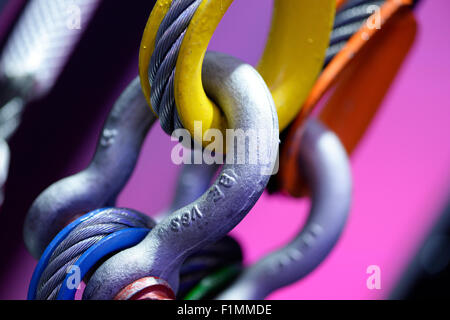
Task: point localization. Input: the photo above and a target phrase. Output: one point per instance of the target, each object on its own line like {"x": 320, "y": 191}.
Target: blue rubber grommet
{"x": 117, "y": 241}
{"x": 43, "y": 261}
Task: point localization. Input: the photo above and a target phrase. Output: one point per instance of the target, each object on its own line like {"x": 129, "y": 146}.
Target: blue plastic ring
{"x": 117, "y": 241}
{"x": 43, "y": 261}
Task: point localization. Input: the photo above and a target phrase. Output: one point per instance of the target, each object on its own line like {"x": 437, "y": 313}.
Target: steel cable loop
{"x": 172, "y": 241}
{"x": 79, "y": 240}
{"x": 224, "y": 253}
{"x": 48, "y": 288}
{"x": 171, "y": 28}
{"x": 349, "y": 19}
{"x": 161, "y": 71}
{"x": 96, "y": 227}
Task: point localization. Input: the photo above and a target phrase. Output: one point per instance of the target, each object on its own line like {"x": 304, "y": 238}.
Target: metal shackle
{"x": 326, "y": 169}
{"x": 95, "y": 235}
{"x": 247, "y": 103}
{"x": 100, "y": 183}
{"x": 193, "y": 181}
{"x": 111, "y": 167}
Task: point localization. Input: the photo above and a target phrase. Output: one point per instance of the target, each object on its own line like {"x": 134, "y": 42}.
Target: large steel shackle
{"x": 248, "y": 106}
{"x": 324, "y": 164}
{"x": 107, "y": 229}
{"x": 100, "y": 183}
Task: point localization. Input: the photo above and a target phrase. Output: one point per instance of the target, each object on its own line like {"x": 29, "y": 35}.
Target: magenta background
{"x": 400, "y": 169}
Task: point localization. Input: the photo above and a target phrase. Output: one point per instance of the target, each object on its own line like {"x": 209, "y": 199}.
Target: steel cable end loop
{"x": 76, "y": 251}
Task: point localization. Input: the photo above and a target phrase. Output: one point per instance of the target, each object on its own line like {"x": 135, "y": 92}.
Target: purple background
{"x": 400, "y": 169}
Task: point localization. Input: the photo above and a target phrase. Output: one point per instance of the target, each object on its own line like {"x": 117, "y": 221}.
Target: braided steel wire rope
{"x": 349, "y": 19}
{"x": 162, "y": 64}
{"x": 84, "y": 236}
